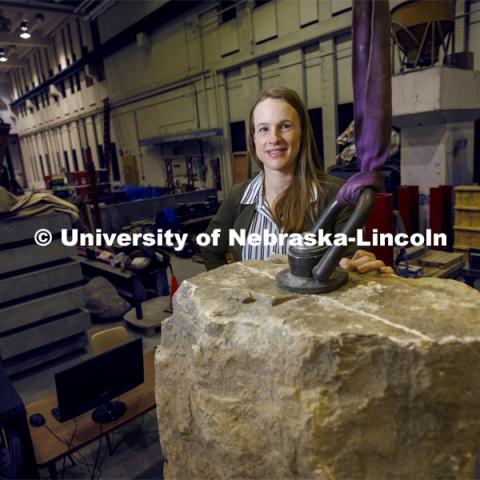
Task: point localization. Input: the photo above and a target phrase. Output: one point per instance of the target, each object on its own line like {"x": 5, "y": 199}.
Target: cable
{"x": 99, "y": 449}
{"x": 80, "y": 459}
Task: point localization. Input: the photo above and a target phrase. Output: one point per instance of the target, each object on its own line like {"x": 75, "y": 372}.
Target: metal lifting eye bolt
{"x": 314, "y": 269}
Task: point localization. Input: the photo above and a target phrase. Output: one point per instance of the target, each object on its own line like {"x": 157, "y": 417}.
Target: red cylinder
{"x": 441, "y": 213}
{"x": 408, "y": 204}
{"x": 381, "y": 221}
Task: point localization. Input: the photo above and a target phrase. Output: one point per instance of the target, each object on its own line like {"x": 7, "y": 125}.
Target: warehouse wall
{"x": 194, "y": 73}
{"x": 55, "y": 128}
{"x": 218, "y": 69}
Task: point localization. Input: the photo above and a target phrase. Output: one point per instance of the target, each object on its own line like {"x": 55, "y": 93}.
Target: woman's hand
{"x": 363, "y": 262}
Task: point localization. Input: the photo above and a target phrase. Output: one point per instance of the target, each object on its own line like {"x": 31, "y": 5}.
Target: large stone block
{"x": 376, "y": 380}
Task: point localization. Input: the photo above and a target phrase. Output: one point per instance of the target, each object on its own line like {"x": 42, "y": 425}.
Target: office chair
{"x": 107, "y": 339}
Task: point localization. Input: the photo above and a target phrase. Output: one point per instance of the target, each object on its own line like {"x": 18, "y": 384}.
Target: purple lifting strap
{"x": 372, "y": 91}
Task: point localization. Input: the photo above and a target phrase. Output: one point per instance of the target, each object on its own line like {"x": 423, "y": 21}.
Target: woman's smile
{"x": 277, "y": 152}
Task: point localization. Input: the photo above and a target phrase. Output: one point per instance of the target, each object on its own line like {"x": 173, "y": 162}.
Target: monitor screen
{"x": 98, "y": 380}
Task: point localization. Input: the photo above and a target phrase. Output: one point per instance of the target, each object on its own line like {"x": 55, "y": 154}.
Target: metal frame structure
{"x": 426, "y": 49}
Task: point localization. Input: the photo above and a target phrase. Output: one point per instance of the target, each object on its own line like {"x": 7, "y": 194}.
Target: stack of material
{"x": 467, "y": 217}
{"x": 374, "y": 380}
{"x": 441, "y": 264}
{"x": 33, "y": 204}
{"x": 41, "y": 294}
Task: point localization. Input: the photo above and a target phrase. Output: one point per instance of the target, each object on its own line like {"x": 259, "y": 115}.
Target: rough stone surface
{"x": 103, "y": 300}
{"x": 377, "y": 380}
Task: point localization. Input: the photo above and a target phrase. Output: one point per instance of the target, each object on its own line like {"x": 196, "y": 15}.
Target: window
{"x": 340, "y": 6}
{"x": 101, "y": 158}
{"x": 344, "y": 116}
{"x": 83, "y": 48}
{"x": 69, "y": 33}
{"x": 227, "y": 11}
{"x": 316, "y": 120}
{"x": 259, "y": 3}
{"x": 41, "y": 166}
{"x": 237, "y": 134}
{"x": 65, "y": 159}
{"x": 75, "y": 160}
{"x": 64, "y": 43}
{"x": 88, "y": 79}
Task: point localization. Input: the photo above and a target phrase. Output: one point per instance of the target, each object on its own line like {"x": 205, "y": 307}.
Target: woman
{"x": 289, "y": 193}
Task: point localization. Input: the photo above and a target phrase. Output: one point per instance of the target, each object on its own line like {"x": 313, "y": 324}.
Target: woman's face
{"x": 277, "y": 135}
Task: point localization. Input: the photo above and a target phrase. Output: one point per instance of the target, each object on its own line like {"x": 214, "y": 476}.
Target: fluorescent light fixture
{"x": 24, "y": 28}
{"x": 3, "y": 56}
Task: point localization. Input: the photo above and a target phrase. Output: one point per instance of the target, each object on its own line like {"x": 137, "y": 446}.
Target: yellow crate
{"x": 466, "y": 238}
{"x": 467, "y": 218}
{"x": 467, "y": 196}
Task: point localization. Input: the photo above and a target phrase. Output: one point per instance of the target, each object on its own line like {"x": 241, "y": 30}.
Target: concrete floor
{"x": 138, "y": 453}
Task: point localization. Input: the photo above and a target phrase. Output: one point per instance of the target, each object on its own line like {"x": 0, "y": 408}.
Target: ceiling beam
{"x": 14, "y": 61}
{"x": 147, "y": 24}
{"x": 39, "y": 7}
{"x": 14, "y": 39}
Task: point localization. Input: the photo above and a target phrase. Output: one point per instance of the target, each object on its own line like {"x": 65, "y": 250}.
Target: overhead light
{"x": 3, "y": 56}
{"x": 25, "y": 34}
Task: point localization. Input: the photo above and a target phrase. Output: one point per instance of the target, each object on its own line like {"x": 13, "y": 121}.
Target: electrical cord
{"x": 100, "y": 463}
{"x": 96, "y": 467}
{"x": 69, "y": 446}
{"x": 95, "y": 463}
{"x": 78, "y": 457}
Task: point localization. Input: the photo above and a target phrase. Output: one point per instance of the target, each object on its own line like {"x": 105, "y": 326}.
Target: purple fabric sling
{"x": 372, "y": 93}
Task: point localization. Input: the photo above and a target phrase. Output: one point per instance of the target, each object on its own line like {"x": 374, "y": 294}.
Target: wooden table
{"x": 48, "y": 449}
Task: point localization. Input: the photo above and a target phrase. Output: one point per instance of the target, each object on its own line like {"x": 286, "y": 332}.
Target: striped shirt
{"x": 262, "y": 221}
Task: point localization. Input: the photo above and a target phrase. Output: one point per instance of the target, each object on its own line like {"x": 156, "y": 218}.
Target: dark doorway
{"x": 238, "y": 136}
{"x": 344, "y": 116}
{"x": 316, "y": 119}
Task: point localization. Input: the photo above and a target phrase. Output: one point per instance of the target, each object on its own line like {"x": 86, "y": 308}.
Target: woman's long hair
{"x": 294, "y": 204}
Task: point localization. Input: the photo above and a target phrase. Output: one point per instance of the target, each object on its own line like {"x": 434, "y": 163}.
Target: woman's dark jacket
{"x": 233, "y": 215}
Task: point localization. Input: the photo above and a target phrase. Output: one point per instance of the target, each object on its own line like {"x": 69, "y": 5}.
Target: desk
{"x": 48, "y": 450}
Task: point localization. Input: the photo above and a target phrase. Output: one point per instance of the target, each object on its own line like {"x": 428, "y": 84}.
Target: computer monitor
{"x": 96, "y": 381}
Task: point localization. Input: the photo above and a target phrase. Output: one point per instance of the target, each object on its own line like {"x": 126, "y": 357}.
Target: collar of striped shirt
{"x": 254, "y": 192}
